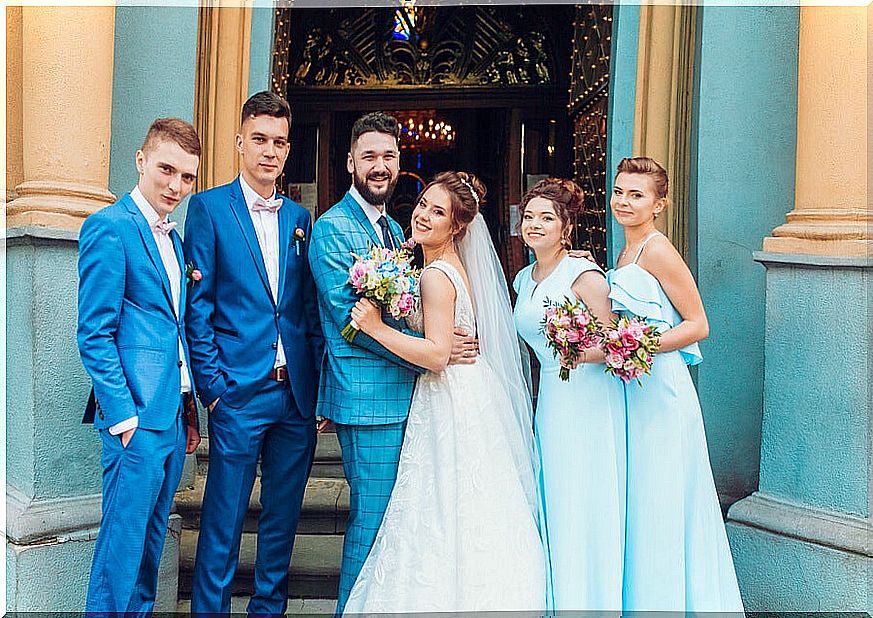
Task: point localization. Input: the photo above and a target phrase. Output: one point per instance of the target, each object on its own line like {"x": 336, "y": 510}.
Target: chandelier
{"x": 424, "y": 130}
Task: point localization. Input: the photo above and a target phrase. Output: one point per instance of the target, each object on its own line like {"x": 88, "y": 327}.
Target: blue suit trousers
{"x": 139, "y": 482}
{"x": 269, "y": 427}
{"x": 371, "y": 454}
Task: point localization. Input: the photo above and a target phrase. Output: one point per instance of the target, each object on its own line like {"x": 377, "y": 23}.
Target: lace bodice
{"x": 464, "y": 315}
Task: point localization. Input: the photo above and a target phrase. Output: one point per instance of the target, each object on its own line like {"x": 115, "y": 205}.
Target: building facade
{"x": 759, "y": 113}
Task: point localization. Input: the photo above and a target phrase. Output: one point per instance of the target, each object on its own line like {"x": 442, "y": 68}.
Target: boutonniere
{"x": 299, "y": 237}
{"x": 192, "y": 273}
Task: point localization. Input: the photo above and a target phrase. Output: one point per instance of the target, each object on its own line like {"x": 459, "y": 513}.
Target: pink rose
{"x": 629, "y": 342}
{"x": 614, "y": 360}
{"x": 196, "y": 275}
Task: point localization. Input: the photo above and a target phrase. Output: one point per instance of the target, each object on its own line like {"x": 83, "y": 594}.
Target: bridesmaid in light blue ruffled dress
{"x": 676, "y": 556}
{"x": 579, "y": 424}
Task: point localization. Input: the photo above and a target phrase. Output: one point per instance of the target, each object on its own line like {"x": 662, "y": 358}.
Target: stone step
{"x": 327, "y": 463}
{"x": 325, "y": 506}
{"x": 313, "y": 574}
{"x": 296, "y": 607}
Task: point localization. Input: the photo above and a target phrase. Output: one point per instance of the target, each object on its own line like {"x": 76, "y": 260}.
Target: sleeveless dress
{"x": 677, "y": 555}
{"x": 580, "y": 435}
{"x": 458, "y": 534}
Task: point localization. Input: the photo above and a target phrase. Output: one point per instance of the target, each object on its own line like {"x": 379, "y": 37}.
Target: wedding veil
{"x": 501, "y": 348}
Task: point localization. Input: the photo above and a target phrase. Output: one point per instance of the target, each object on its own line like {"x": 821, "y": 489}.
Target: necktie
{"x": 387, "y": 240}
{"x": 163, "y": 226}
{"x": 268, "y": 205}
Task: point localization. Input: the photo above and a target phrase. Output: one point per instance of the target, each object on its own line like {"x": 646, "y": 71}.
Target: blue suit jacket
{"x": 233, "y": 321}
{"x": 128, "y": 333}
{"x": 362, "y": 383}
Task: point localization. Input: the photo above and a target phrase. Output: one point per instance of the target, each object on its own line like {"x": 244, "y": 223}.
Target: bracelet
{"x": 584, "y": 355}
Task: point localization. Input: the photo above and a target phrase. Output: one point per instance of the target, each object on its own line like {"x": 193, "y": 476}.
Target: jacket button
{"x": 180, "y": 363}
{"x": 274, "y": 346}
{"x": 101, "y": 415}
{"x": 277, "y": 315}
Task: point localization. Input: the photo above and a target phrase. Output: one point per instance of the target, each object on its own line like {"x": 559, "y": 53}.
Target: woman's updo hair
{"x": 649, "y": 167}
{"x": 565, "y": 195}
{"x": 467, "y": 194}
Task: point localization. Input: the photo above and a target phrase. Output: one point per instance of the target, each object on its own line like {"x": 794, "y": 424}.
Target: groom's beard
{"x": 374, "y": 196}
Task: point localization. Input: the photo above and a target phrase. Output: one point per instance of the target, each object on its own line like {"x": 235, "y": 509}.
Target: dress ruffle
{"x": 642, "y": 296}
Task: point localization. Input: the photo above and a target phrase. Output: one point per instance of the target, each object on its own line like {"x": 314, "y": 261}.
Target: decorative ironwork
{"x": 589, "y": 95}
{"x": 436, "y": 46}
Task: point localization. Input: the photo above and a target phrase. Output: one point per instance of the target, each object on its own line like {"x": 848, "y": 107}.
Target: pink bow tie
{"x": 269, "y": 205}
{"x": 163, "y": 226}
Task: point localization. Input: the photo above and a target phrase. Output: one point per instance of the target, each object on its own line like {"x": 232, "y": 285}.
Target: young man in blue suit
{"x": 132, "y": 288}
{"x": 256, "y": 348}
{"x": 365, "y": 390}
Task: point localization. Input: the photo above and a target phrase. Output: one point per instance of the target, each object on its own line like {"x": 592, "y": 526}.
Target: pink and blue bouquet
{"x": 387, "y": 278}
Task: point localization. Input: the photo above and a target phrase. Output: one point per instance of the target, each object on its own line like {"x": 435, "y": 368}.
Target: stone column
{"x": 802, "y": 541}
{"x": 65, "y": 68}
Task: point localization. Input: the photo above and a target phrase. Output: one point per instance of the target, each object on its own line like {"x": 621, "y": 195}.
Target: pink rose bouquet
{"x": 629, "y": 344}
{"x": 388, "y": 279}
{"x": 569, "y": 328}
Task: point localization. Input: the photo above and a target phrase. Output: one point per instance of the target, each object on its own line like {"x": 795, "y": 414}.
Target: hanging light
{"x": 423, "y": 129}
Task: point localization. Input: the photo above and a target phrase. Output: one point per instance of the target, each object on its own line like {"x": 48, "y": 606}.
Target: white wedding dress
{"x": 460, "y": 533}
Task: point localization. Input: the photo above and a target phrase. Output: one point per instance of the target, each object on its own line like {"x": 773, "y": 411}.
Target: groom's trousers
{"x": 271, "y": 427}
{"x": 139, "y": 482}
{"x": 370, "y": 457}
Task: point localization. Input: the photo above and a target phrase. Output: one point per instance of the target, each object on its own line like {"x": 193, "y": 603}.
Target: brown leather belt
{"x": 280, "y": 374}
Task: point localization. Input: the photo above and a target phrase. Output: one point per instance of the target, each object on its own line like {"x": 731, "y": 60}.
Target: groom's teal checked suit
{"x": 364, "y": 389}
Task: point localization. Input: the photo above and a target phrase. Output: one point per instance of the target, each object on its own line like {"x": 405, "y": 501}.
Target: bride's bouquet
{"x": 386, "y": 277}
{"x": 629, "y": 344}
{"x": 569, "y": 328}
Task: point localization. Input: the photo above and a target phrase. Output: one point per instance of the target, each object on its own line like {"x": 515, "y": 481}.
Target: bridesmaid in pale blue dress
{"x": 579, "y": 424}
{"x": 677, "y": 556}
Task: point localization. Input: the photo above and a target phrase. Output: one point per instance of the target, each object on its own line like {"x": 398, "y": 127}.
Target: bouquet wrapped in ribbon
{"x": 629, "y": 344}
{"x": 569, "y": 328}
{"x": 388, "y": 279}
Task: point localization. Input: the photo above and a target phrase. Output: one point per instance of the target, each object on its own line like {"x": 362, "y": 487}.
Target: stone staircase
{"x": 315, "y": 562}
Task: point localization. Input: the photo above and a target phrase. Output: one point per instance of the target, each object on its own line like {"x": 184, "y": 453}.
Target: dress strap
{"x": 643, "y": 245}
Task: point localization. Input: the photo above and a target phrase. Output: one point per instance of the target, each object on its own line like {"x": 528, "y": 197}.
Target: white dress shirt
{"x": 373, "y": 212}
{"x": 174, "y": 274}
{"x": 267, "y": 230}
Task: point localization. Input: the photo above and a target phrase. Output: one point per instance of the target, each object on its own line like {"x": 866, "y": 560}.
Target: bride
{"x": 460, "y": 532}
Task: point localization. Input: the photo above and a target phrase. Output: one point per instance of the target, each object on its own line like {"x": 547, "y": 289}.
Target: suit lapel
{"x": 183, "y": 283}
{"x": 243, "y": 218}
{"x": 358, "y": 214}
{"x": 151, "y": 247}
{"x": 285, "y": 233}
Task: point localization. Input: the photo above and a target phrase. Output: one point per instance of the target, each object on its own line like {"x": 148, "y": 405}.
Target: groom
{"x": 365, "y": 389}
{"x": 256, "y": 348}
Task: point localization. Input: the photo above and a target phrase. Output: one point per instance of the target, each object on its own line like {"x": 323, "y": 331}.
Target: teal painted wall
{"x": 816, "y": 443}
{"x": 620, "y": 115}
{"x": 19, "y": 368}
{"x": 153, "y": 76}
{"x": 261, "y": 59}
{"x": 782, "y": 574}
{"x": 742, "y": 184}
{"x": 50, "y": 453}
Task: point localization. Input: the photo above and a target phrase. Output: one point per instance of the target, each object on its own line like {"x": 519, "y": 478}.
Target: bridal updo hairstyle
{"x": 465, "y": 206}
{"x": 566, "y": 197}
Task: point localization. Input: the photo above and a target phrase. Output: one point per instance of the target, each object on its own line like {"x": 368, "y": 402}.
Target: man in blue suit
{"x": 365, "y": 390}
{"x": 132, "y": 288}
{"x": 256, "y": 348}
